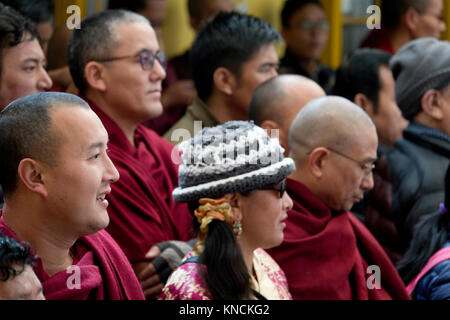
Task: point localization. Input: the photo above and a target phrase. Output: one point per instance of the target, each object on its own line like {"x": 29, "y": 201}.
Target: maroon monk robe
{"x": 105, "y": 273}
{"x": 141, "y": 207}
{"x": 326, "y": 256}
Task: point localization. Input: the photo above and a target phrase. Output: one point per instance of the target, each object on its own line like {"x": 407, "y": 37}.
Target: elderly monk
{"x": 327, "y": 253}
{"x": 56, "y": 176}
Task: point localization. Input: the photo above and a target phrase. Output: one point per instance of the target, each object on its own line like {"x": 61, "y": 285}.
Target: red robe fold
{"x": 378, "y": 39}
{"x": 105, "y": 273}
{"x": 141, "y": 208}
{"x": 326, "y": 256}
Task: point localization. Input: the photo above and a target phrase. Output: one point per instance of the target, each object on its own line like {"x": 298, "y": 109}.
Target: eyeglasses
{"x": 146, "y": 59}
{"x": 279, "y": 186}
{"x": 366, "y": 167}
{"x": 308, "y": 25}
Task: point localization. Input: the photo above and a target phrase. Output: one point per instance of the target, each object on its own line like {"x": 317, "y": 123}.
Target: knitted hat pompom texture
{"x": 419, "y": 66}
{"x": 237, "y": 156}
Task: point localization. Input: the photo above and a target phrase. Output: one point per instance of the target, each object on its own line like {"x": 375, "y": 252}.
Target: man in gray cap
{"x": 419, "y": 160}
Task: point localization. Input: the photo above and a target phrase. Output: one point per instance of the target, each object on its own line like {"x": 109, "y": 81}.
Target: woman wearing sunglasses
{"x": 233, "y": 177}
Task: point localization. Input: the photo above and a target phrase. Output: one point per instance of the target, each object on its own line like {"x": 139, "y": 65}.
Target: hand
{"x": 181, "y": 92}
{"x": 148, "y": 275}
{"x": 165, "y": 257}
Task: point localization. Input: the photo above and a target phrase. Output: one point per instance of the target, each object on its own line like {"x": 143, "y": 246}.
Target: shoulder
{"x": 183, "y": 129}
{"x": 185, "y": 283}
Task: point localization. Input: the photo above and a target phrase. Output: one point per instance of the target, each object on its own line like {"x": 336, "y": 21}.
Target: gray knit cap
{"x": 419, "y": 66}
{"x": 237, "y": 156}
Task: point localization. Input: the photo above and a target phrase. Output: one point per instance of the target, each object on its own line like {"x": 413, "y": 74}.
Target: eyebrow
{"x": 35, "y": 60}
{"x": 96, "y": 145}
{"x": 371, "y": 160}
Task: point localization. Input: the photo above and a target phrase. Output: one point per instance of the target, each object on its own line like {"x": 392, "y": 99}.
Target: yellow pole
{"x": 333, "y": 50}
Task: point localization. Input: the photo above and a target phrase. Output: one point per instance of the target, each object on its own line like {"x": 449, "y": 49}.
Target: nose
{"x": 111, "y": 174}
{"x": 44, "y": 82}
{"x": 274, "y": 72}
{"x": 367, "y": 182}
{"x": 287, "y": 202}
{"x": 158, "y": 73}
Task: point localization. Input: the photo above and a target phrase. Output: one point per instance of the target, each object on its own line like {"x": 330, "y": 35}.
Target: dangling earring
{"x": 237, "y": 228}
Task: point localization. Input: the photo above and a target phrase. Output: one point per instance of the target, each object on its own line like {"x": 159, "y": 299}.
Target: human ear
{"x": 431, "y": 104}
{"x": 411, "y": 17}
{"x": 30, "y": 173}
{"x": 365, "y": 103}
{"x": 235, "y": 201}
{"x": 94, "y": 74}
{"x": 224, "y": 81}
{"x": 317, "y": 160}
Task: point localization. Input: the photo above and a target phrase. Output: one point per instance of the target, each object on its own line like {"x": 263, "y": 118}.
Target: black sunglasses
{"x": 279, "y": 186}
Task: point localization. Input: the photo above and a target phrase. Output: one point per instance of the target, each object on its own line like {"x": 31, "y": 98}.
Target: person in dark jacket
{"x": 430, "y": 236}
{"x": 365, "y": 79}
{"x": 420, "y": 159}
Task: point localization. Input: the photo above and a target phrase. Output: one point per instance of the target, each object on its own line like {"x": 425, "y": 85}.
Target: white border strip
{"x": 263, "y": 171}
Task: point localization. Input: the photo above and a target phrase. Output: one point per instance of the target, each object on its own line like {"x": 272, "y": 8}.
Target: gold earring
{"x": 237, "y": 228}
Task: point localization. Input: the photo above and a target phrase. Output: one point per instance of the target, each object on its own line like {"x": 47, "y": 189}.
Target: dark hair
{"x": 95, "y": 40}
{"x": 132, "y": 5}
{"x": 38, "y": 11}
{"x": 264, "y": 100}
{"x": 361, "y": 74}
{"x": 228, "y": 41}
{"x": 227, "y": 274}
{"x": 393, "y": 10}
{"x": 195, "y": 8}
{"x": 13, "y": 29}
{"x": 291, "y": 7}
{"x": 429, "y": 236}
{"x": 25, "y": 132}
{"x": 13, "y": 253}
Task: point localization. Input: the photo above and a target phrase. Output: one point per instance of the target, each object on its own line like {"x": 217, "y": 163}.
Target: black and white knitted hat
{"x": 237, "y": 156}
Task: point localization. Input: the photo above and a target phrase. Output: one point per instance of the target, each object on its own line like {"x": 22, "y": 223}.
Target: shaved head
{"x": 329, "y": 121}
{"x": 280, "y": 99}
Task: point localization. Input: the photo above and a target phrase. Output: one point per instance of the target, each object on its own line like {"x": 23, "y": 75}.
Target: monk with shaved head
{"x": 327, "y": 253}
{"x": 276, "y": 102}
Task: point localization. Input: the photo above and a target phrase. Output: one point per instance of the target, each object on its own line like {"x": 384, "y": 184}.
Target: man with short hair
{"x": 22, "y": 61}
{"x": 40, "y": 12}
{"x": 305, "y": 31}
{"x": 276, "y": 102}
{"x": 115, "y": 61}
{"x": 326, "y": 251}
{"x": 56, "y": 177}
{"x": 405, "y": 20}
{"x": 418, "y": 161}
{"x": 365, "y": 79}
{"x": 17, "y": 278}
{"x": 229, "y": 58}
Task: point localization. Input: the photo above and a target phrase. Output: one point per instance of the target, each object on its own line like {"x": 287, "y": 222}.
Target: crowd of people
{"x": 225, "y": 173}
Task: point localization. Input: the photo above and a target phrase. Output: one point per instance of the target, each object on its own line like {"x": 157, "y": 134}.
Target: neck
{"x": 127, "y": 125}
{"x": 224, "y": 110}
{"x": 424, "y": 119}
{"x": 46, "y": 239}
{"x": 399, "y": 37}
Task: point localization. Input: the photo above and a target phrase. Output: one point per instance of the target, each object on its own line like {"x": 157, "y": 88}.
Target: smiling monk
{"x": 56, "y": 176}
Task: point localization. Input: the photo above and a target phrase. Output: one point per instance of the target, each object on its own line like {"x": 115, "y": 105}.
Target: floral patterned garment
{"x": 185, "y": 282}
